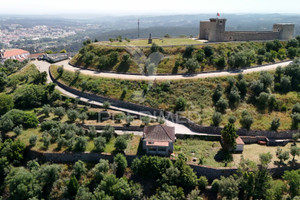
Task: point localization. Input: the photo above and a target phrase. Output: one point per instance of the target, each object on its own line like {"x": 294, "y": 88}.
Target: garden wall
{"x": 211, "y": 173}
{"x": 173, "y": 117}
{"x": 118, "y": 128}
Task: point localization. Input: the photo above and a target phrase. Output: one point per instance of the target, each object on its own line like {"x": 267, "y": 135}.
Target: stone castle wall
{"x": 250, "y": 35}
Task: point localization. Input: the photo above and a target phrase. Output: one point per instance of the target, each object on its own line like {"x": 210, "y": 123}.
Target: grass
{"x": 252, "y": 152}
{"x": 197, "y": 92}
{"x": 211, "y": 152}
{"x": 133, "y": 145}
{"x": 160, "y": 42}
{"x": 196, "y": 148}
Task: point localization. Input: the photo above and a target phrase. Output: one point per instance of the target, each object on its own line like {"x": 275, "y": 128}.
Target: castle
{"x": 214, "y": 31}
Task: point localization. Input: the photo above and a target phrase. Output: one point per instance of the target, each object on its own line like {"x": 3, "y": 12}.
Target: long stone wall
{"x": 250, "y": 35}
{"x": 211, "y": 173}
{"x": 173, "y": 117}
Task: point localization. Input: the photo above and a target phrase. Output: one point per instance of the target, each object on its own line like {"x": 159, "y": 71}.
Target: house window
{"x": 161, "y": 148}
{"x": 152, "y": 148}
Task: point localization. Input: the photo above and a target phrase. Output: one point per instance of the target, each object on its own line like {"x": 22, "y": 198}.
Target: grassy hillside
{"x": 198, "y": 95}
{"x": 126, "y": 57}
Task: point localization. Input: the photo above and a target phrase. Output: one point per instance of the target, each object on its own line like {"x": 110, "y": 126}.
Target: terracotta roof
{"x": 159, "y": 133}
{"x": 14, "y": 52}
{"x": 239, "y": 140}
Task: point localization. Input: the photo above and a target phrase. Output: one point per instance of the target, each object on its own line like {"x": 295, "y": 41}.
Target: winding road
{"x": 69, "y": 67}
{"x": 179, "y": 128}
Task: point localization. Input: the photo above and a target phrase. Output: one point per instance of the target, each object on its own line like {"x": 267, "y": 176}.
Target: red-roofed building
{"x": 15, "y": 54}
{"x": 159, "y": 139}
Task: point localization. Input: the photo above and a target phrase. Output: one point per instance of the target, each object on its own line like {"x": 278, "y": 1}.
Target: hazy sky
{"x": 120, "y": 7}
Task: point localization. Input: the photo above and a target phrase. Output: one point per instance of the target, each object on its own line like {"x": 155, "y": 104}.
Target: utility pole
{"x": 138, "y": 28}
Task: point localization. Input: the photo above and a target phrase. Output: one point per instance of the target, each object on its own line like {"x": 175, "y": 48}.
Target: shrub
{"x": 59, "y": 112}
{"x": 120, "y": 163}
{"x": 217, "y": 93}
{"x": 209, "y": 51}
{"x": 202, "y": 183}
{"x": 285, "y": 85}
{"x": 275, "y": 124}
{"x": 60, "y": 70}
{"x": 262, "y": 101}
{"x": 108, "y": 132}
{"x": 46, "y": 142}
{"x": 215, "y": 186}
{"x": 32, "y": 140}
{"x": 129, "y": 119}
{"x": 80, "y": 144}
{"x": 247, "y": 120}
{"x": 47, "y": 125}
{"x": 106, "y": 105}
{"x": 120, "y": 144}
{"x": 295, "y": 120}
{"x": 92, "y": 132}
{"x": 46, "y": 110}
{"x": 6, "y": 103}
{"x": 119, "y": 117}
{"x": 79, "y": 169}
{"x": 100, "y": 143}
{"x": 232, "y": 119}
{"x": 192, "y": 65}
{"x": 188, "y": 51}
{"x": 216, "y": 119}
{"x": 82, "y": 116}
{"x": 296, "y": 108}
{"x": 72, "y": 115}
{"x": 18, "y": 129}
{"x": 221, "y": 105}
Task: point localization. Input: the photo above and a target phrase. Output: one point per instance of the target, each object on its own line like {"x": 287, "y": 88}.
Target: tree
{"x": 6, "y": 103}
{"x": 106, "y": 105}
{"x": 293, "y": 179}
{"x": 108, "y": 132}
{"x": 72, "y": 186}
{"x": 229, "y": 137}
{"x": 292, "y": 52}
{"x": 221, "y": 105}
{"x": 217, "y": 93}
{"x": 234, "y": 97}
{"x": 188, "y": 51}
{"x": 192, "y": 65}
{"x": 242, "y": 86}
{"x": 129, "y": 119}
{"x": 47, "y": 175}
{"x": 22, "y": 184}
{"x": 216, "y": 119}
{"x": 267, "y": 79}
{"x": 100, "y": 143}
{"x": 231, "y": 119}
{"x": 121, "y": 164}
{"x": 3, "y": 81}
{"x": 292, "y": 43}
{"x": 265, "y": 159}
{"x": 32, "y": 140}
{"x": 180, "y": 104}
{"x": 145, "y": 120}
{"x": 296, "y": 136}
{"x": 209, "y": 51}
{"x": 100, "y": 169}
{"x": 79, "y": 169}
{"x": 46, "y": 110}
{"x": 46, "y": 142}
{"x": 59, "y": 112}
{"x": 83, "y": 193}
{"x": 119, "y": 117}
{"x": 80, "y": 144}
{"x": 295, "y": 120}
{"x": 282, "y": 155}
{"x": 295, "y": 151}
{"x": 247, "y": 120}
{"x": 296, "y": 108}
{"x": 60, "y": 70}
{"x": 82, "y": 116}
{"x": 228, "y": 188}
{"x": 120, "y": 144}
{"x": 285, "y": 85}
{"x": 72, "y": 115}
{"x": 275, "y": 124}
{"x": 194, "y": 195}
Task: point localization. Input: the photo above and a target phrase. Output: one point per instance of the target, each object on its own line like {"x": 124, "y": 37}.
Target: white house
{"x": 159, "y": 140}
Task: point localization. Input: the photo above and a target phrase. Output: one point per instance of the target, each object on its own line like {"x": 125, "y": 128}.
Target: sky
{"x": 131, "y": 7}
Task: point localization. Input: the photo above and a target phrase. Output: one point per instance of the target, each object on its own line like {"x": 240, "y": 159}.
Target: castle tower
{"x": 217, "y": 30}
{"x": 286, "y": 31}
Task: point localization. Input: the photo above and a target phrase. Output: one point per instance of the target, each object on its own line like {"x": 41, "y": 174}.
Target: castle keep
{"x": 214, "y": 31}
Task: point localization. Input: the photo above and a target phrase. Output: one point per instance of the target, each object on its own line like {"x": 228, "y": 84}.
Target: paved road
{"x": 179, "y": 129}
{"x": 66, "y": 65}
{"x": 44, "y": 67}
